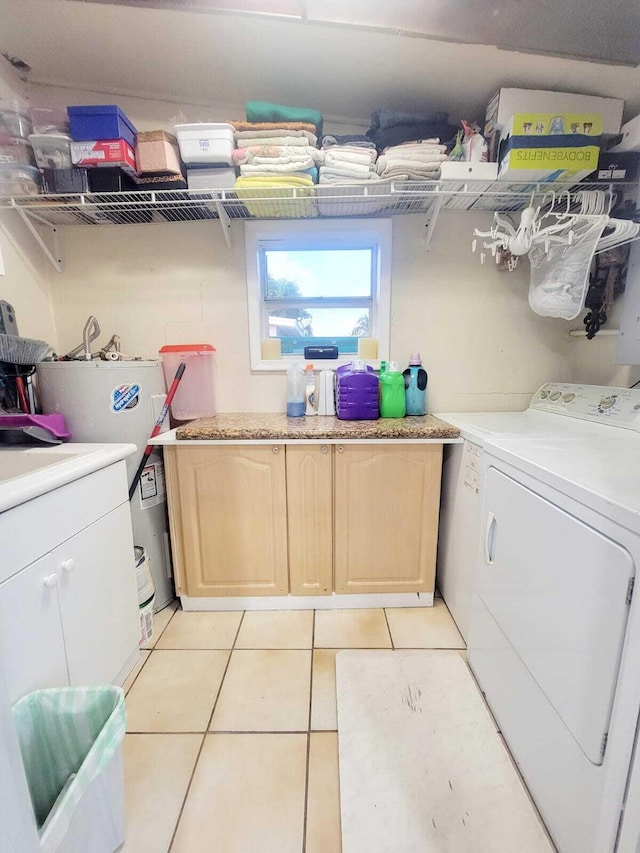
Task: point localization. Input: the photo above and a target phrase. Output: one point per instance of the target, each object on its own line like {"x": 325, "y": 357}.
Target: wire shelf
{"x": 322, "y": 201}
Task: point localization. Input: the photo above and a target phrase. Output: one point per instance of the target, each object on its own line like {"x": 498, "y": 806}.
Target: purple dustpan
{"x": 53, "y": 424}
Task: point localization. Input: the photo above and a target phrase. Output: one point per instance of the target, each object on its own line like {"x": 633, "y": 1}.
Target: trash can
{"x": 71, "y": 744}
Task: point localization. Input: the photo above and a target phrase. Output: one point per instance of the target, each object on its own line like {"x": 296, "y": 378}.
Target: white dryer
{"x": 554, "y": 633}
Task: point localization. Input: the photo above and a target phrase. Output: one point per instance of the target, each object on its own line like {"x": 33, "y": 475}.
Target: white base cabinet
{"x": 71, "y": 616}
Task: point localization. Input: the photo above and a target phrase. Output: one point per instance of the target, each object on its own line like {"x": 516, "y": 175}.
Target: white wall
{"x": 178, "y": 283}
{"x": 26, "y": 282}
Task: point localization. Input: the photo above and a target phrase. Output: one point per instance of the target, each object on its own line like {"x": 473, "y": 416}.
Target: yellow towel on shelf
{"x": 272, "y": 196}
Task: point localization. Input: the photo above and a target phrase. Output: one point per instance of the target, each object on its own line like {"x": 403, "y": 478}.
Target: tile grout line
{"x": 306, "y": 778}
{"x": 144, "y": 663}
{"x": 386, "y": 619}
{"x": 204, "y": 737}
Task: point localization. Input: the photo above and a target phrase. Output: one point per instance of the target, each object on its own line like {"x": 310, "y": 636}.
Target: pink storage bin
{"x": 195, "y": 396}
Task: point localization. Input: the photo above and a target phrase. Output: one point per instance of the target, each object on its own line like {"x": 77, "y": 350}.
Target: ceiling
{"x": 190, "y": 57}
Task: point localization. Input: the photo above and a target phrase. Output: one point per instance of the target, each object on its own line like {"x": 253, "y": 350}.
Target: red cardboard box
{"x": 104, "y": 152}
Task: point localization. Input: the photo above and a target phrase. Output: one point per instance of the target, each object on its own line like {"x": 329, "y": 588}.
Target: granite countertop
{"x": 278, "y": 427}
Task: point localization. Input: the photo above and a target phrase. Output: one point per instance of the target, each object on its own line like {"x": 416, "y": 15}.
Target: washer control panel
{"x": 598, "y": 403}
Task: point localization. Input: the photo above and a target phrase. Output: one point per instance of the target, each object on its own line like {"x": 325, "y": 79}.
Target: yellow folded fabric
{"x": 273, "y": 197}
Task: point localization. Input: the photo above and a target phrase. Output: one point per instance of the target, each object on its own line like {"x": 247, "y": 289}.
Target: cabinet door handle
{"x": 489, "y": 538}
{"x": 275, "y": 450}
{"x": 340, "y": 449}
{"x": 324, "y": 448}
{"x": 50, "y": 581}
{"x": 68, "y": 566}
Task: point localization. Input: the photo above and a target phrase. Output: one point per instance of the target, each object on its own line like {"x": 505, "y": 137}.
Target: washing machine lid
{"x": 481, "y": 427}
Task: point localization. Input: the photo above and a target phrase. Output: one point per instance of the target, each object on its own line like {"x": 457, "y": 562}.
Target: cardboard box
{"x": 157, "y": 153}
{"x": 460, "y": 170}
{"x": 629, "y": 138}
{"x": 507, "y": 102}
{"x": 570, "y": 125}
{"x": 521, "y": 162}
{"x": 104, "y": 152}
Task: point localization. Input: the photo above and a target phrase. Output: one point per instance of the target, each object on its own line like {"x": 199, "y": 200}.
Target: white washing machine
{"x": 119, "y": 401}
{"x": 554, "y": 626}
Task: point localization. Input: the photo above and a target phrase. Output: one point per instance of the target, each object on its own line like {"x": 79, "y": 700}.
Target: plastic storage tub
{"x": 52, "y": 150}
{"x": 206, "y": 143}
{"x": 15, "y": 150}
{"x": 16, "y": 179}
{"x": 195, "y": 395}
{"x": 71, "y": 745}
{"x": 100, "y": 122}
{"x": 157, "y": 153}
{"x": 49, "y": 121}
{"x": 14, "y": 118}
{"x": 211, "y": 179}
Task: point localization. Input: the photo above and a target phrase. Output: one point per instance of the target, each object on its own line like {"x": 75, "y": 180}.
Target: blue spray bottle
{"x": 415, "y": 384}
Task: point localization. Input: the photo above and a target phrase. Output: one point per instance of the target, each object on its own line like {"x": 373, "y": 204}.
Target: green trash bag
{"x": 67, "y": 737}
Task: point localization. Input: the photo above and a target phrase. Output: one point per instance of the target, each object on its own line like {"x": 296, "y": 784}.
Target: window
{"x": 312, "y": 283}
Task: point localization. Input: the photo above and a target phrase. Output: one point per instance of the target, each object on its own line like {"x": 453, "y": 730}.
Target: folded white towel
{"x": 415, "y": 146}
{"x": 426, "y": 157}
{"x": 404, "y": 174}
{"x": 279, "y": 168}
{"x": 277, "y": 154}
{"x": 311, "y": 138}
{"x": 365, "y": 157}
{"x": 297, "y": 141}
{"x": 329, "y": 178}
{"x": 354, "y": 168}
{"x": 384, "y": 164}
{"x": 346, "y": 174}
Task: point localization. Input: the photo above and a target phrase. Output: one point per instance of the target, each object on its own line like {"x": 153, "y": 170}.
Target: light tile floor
{"x": 232, "y": 738}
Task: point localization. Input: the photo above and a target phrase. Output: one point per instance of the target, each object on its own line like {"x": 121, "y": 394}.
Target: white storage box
{"x": 211, "y": 179}
{"x": 206, "y": 143}
{"x": 507, "y": 102}
{"x": 460, "y": 170}
{"x": 52, "y": 150}
{"x": 629, "y": 139}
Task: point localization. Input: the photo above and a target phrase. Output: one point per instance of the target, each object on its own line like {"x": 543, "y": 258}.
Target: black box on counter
{"x": 73, "y": 180}
{"x": 612, "y": 167}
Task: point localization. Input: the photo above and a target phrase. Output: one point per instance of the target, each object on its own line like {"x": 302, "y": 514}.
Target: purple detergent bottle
{"x": 357, "y": 395}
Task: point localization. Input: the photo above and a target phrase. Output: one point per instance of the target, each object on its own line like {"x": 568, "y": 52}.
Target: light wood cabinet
{"x": 310, "y": 518}
{"x": 229, "y": 518}
{"x": 386, "y": 507}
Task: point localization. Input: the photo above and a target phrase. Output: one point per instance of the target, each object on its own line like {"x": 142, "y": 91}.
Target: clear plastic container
{"x": 52, "y": 150}
{"x": 15, "y": 150}
{"x": 195, "y": 395}
{"x": 16, "y": 179}
{"x": 206, "y": 143}
{"x": 14, "y": 118}
{"x": 49, "y": 121}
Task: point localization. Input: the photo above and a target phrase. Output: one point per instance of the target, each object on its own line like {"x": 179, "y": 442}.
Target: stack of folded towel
{"x": 412, "y": 161}
{"x": 348, "y": 159}
{"x": 283, "y": 150}
{"x": 391, "y": 128}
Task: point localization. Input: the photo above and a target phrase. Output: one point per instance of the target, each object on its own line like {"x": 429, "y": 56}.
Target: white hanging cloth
{"x": 560, "y": 272}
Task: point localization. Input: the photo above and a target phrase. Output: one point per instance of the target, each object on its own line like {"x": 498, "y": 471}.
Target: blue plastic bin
{"x": 100, "y": 122}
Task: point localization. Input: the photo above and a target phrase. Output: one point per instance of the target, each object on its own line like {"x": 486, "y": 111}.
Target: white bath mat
{"x": 422, "y": 767}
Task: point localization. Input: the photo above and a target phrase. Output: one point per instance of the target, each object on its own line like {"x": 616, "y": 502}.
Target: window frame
{"x": 313, "y": 234}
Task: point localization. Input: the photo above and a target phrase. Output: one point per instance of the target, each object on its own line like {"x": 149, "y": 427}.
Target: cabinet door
{"x": 233, "y": 511}
{"x": 31, "y": 643}
{"x": 98, "y": 598}
{"x": 386, "y": 517}
{"x": 310, "y": 517}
